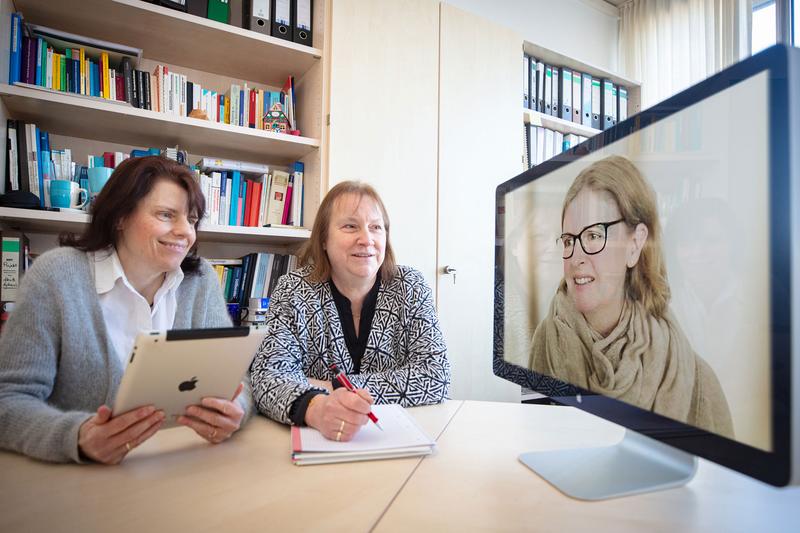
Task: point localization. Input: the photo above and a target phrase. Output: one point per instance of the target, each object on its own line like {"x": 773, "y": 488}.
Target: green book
{"x": 219, "y": 10}
{"x": 63, "y": 67}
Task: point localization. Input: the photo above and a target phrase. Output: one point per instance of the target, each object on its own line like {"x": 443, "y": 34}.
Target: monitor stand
{"x": 634, "y": 465}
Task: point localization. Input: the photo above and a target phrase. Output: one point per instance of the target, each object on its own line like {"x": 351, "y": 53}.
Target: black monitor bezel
{"x": 771, "y": 467}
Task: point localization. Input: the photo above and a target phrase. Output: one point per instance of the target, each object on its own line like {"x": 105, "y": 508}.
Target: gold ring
{"x": 128, "y": 446}
{"x": 341, "y": 426}
{"x": 338, "y": 436}
{"x": 213, "y": 434}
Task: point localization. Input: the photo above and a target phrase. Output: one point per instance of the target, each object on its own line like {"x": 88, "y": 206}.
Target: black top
{"x": 356, "y": 344}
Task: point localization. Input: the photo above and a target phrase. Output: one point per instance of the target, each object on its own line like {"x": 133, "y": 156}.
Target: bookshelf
{"x": 551, "y": 122}
{"x": 208, "y": 52}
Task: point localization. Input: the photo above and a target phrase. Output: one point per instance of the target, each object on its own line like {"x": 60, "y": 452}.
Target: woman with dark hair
{"x": 66, "y": 345}
{"x": 352, "y": 306}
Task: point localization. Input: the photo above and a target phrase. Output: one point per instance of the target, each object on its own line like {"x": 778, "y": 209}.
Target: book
{"x": 277, "y": 197}
{"x": 401, "y": 437}
{"x": 208, "y": 163}
{"x": 14, "y": 261}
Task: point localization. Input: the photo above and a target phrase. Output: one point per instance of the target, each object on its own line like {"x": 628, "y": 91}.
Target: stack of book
{"x": 48, "y": 59}
{"x": 251, "y": 277}
{"x": 251, "y": 194}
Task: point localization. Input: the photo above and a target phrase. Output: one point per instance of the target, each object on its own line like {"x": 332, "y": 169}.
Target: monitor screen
{"x": 644, "y": 275}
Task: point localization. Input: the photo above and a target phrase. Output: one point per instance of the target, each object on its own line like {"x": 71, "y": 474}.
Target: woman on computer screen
{"x": 609, "y": 329}
{"x": 80, "y": 306}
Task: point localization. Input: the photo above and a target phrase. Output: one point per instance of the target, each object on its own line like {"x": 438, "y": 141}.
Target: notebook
{"x": 401, "y": 437}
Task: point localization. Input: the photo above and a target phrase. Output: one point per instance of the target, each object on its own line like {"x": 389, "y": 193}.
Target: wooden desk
{"x": 176, "y": 482}
{"x": 476, "y": 483}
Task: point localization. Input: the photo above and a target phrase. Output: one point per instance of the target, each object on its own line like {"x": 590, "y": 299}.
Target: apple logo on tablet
{"x": 188, "y": 385}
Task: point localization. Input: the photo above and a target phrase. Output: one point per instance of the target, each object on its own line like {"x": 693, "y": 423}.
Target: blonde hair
{"x": 646, "y": 281}
{"x": 313, "y": 251}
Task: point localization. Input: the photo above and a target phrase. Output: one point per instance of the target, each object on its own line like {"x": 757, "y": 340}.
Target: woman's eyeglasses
{"x": 592, "y": 238}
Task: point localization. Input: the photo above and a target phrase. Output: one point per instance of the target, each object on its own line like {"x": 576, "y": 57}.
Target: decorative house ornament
{"x": 275, "y": 120}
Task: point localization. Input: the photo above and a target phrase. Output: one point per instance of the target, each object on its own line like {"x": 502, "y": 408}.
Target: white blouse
{"x": 125, "y": 311}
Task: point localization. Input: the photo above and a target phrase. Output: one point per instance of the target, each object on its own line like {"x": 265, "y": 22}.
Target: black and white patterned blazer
{"x": 405, "y": 360}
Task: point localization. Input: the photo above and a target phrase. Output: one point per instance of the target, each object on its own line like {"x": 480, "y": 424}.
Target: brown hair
{"x": 131, "y": 181}
{"x": 313, "y": 251}
{"x": 646, "y": 281}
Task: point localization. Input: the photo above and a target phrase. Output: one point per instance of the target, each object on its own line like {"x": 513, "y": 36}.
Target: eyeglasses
{"x": 592, "y": 238}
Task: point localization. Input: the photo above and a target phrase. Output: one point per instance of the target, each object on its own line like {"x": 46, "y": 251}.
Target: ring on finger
{"x": 213, "y": 434}
{"x": 338, "y": 436}
{"x": 128, "y": 446}
{"x": 341, "y": 426}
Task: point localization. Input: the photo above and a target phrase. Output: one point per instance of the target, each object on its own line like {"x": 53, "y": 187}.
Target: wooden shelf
{"x": 177, "y": 38}
{"x": 558, "y": 124}
{"x": 76, "y": 116}
{"x": 35, "y": 221}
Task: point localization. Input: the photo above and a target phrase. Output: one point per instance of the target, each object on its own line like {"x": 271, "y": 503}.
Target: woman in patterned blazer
{"x": 350, "y": 305}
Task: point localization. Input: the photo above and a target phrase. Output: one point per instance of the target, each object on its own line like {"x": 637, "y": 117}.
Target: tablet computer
{"x": 174, "y": 369}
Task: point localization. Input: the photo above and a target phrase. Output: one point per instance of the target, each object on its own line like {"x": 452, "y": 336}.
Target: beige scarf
{"x": 645, "y": 361}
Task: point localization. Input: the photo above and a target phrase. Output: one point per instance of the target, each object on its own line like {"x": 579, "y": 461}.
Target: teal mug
{"x": 67, "y": 194}
{"x": 98, "y": 176}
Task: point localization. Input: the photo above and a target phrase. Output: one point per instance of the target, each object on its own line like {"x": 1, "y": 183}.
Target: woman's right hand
{"x": 339, "y": 415}
{"x": 106, "y": 439}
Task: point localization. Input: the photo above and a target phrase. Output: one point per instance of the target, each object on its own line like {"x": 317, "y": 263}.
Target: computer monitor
{"x": 650, "y": 276}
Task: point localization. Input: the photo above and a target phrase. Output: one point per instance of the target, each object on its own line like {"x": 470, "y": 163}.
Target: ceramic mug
{"x": 98, "y": 176}
{"x": 67, "y": 194}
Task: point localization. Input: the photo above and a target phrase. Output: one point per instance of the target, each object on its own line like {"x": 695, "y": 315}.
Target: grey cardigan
{"x": 57, "y": 364}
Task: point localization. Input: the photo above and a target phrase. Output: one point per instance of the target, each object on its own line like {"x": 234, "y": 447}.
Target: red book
{"x": 252, "y": 118}
{"x": 248, "y": 203}
{"x": 287, "y": 205}
{"x": 255, "y": 208}
{"x": 120, "y": 82}
{"x": 108, "y": 159}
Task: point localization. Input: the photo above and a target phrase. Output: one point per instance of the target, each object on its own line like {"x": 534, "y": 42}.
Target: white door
{"x": 383, "y": 114}
{"x": 480, "y": 146}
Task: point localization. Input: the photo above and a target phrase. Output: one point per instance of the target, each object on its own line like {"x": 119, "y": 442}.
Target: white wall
{"x": 586, "y": 30}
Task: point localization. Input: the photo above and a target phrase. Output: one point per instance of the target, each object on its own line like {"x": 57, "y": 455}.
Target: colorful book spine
{"x": 233, "y": 197}
{"x": 15, "y": 61}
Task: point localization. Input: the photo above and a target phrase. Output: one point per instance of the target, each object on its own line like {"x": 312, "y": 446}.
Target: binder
{"x": 555, "y": 110}
{"x": 614, "y": 112}
{"x": 540, "y": 79}
{"x": 540, "y": 144}
{"x": 526, "y": 156}
{"x": 586, "y": 100}
{"x": 596, "y": 104}
{"x": 180, "y": 5}
{"x": 548, "y": 144}
{"x": 622, "y": 103}
{"x": 565, "y": 93}
{"x": 256, "y": 16}
{"x": 219, "y": 10}
{"x": 532, "y": 101}
{"x": 197, "y": 7}
{"x": 558, "y": 142}
{"x": 301, "y": 21}
{"x": 607, "y": 105}
{"x": 548, "y": 89}
{"x": 526, "y": 81}
{"x": 577, "y": 80}
{"x": 281, "y": 21}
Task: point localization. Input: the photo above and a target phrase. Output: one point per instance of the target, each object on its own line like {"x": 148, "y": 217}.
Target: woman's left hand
{"x": 214, "y": 419}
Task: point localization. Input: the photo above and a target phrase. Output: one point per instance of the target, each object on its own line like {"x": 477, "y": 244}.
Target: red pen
{"x": 342, "y": 379}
